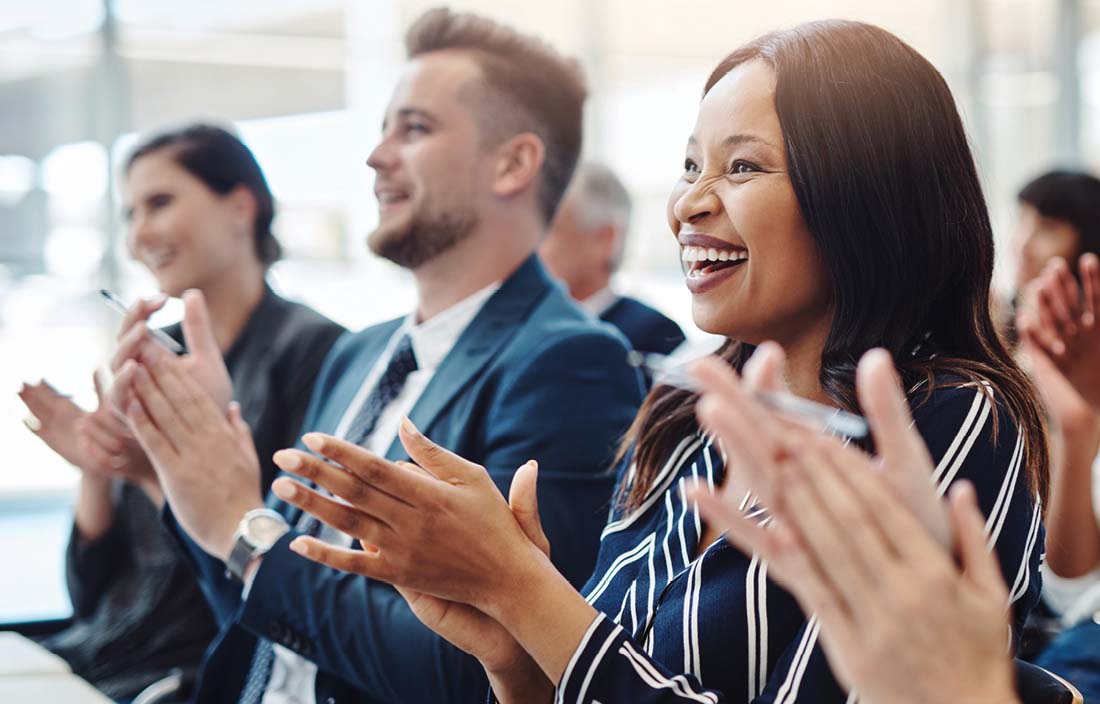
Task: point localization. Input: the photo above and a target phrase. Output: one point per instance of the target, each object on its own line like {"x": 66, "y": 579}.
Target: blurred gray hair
{"x": 600, "y": 197}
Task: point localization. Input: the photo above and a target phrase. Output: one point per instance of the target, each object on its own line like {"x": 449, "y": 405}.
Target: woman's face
{"x": 752, "y": 267}
{"x": 184, "y": 233}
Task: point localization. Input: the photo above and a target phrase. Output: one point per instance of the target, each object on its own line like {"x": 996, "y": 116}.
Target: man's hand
{"x": 203, "y": 361}
{"x": 205, "y": 458}
{"x": 1059, "y": 319}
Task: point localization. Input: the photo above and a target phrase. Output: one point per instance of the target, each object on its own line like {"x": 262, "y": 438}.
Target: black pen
{"x": 158, "y": 335}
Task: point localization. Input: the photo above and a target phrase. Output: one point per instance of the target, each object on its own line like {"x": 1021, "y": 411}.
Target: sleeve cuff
{"x": 594, "y": 646}
{"x": 1064, "y": 594}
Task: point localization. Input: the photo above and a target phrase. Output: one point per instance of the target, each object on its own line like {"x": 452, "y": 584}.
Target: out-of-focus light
{"x": 73, "y": 251}
{"x": 16, "y": 178}
{"x": 51, "y": 20}
{"x": 75, "y": 174}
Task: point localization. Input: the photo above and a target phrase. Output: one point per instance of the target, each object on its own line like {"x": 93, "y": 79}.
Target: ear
{"x": 518, "y": 163}
{"x": 242, "y": 204}
{"x": 607, "y": 239}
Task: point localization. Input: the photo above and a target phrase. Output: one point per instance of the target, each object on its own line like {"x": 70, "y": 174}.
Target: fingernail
{"x": 287, "y": 460}
{"x": 32, "y": 423}
{"x": 299, "y": 546}
{"x": 313, "y": 441}
{"x": 408, "y": 427}
{"x": 285, "y": 488}
{"x": 1059, "y": 347}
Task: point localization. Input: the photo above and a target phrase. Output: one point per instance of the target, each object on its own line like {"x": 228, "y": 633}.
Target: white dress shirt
{"x": 293, "y": 678}
{"x": 600, "y": 302}
{"x": 1076, "y": 598}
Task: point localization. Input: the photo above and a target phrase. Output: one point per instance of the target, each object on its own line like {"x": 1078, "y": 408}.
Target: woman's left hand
{"x": 445, "y": 531}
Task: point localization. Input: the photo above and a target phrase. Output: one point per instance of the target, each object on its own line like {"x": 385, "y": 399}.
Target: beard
{"x": 424, "y": 236}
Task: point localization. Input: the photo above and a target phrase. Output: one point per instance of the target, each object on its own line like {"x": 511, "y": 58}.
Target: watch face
{"x": 263, "y": 531}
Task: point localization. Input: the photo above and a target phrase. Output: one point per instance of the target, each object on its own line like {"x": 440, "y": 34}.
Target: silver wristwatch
{"x": 257, "y": 533}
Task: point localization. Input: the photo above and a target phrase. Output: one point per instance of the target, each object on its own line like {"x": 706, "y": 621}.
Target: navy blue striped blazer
{"x": 675, "y": 628}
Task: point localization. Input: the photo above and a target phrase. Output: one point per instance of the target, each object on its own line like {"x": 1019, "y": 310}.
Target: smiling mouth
{"x": 699, "y": 262}
{"x": 389, "y": 198}
{"x": 161, "y": 260}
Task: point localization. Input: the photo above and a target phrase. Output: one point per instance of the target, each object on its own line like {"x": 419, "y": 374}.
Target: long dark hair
{"x": 222, "y": 162}
{"x": 886, "y": 183}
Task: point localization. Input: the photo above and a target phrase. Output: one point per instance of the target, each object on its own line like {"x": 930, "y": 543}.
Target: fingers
{"x": 340, "y": 516}
{"x": 140, "y": 312}
{"x": 367, "y": 563}
{"x": 524, "y": 502}
{"x": 726, "y": 410}
{"x": 1068, "y": 293}
{"x": 198, "y": 333}
{"x": 1089, "y": 267}
{"x": 131, "y": 345}
{"x": 191, "y": 401}
{"x": 765, "y": 368}
{"x": 95, "y": 427}
{"x": 886, "y": 410}
{"x": 1053, "y": 311}
{"x": 341, "y": 483}
{"x": 374, "y": 471}
{"x": 438, "y": 460}
{"x": 156, "y": 444}
{"x": 158, "y": 407}
{"x": 978, "y": 563}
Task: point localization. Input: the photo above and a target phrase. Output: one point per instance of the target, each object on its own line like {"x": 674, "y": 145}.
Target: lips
{"x": 389, "y": 197}
{"x": 709, "y": 261}
{"x": 160, "y": 259}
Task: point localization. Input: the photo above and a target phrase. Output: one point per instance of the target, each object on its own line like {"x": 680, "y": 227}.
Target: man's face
{"x": 432, "y": 172}
{"x": 573, "y": 253}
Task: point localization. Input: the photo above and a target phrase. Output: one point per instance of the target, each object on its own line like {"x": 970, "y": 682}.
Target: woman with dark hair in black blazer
{"x": 199, "y": 213}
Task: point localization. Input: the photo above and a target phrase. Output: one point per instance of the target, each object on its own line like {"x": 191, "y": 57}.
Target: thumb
{"x": 439, "y": 461}
{"x": 887, "y": 411}
{"x": 100, "y": 388}
{"x": 977, "y": 561}
{"x": 197, "y": 330}
{"x": 765, "y": 368}
{"x": 524, "y": 502}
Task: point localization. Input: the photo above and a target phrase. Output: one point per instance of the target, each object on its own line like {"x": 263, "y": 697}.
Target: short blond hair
{"x": 529, "y": 87}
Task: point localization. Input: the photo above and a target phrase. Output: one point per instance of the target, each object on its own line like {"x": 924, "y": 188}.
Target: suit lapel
{"x": 489, "y": 331}
{"x": 339, "y": 398}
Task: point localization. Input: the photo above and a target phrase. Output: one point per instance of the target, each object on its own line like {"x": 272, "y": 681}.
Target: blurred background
{"x": 305, "y": 83}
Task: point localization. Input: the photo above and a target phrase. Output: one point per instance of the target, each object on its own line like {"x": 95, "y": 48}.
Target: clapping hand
{"x": 891, "y": 603}
{"x": 1059, "y": 319}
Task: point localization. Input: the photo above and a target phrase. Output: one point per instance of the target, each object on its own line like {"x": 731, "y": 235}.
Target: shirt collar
{"x": 598, "y": 303}
{"x": 433, "y": 339}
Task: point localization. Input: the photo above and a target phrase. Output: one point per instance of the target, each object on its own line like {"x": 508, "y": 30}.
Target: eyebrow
{"x": 737, "y": 139}
{"x": 405, "y": 113}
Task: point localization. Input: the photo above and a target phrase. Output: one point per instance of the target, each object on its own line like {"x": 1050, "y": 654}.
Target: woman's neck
{"x": 231, "y": 299}
{"x": 803, "y": 369}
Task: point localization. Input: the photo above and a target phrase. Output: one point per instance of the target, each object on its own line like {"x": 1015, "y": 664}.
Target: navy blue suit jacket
{"x": 531, "y": 377}
{"x": 647, "y": 329}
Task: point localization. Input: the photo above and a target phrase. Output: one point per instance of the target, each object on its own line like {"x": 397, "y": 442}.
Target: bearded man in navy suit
{"x": 495, "y": 363}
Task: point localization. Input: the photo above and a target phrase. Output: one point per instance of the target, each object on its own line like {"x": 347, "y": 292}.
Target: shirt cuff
{"x": 1065, "y": 595}
{"x": 588, "y": 656}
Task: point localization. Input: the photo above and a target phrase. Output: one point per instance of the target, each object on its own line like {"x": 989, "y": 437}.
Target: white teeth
{"x": 703, "y": 254}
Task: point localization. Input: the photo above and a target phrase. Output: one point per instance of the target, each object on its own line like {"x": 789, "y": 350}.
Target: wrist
{"x": 522, "y": 681}
{"x": 511, "y": 597}
{"x": 228, "y": 530}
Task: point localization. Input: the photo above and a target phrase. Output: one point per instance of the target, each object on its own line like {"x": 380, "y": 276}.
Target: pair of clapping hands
{"x": 862, "y": 542}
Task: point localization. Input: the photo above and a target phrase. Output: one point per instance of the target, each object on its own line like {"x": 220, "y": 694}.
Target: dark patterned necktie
{"x": 389, "y": 386}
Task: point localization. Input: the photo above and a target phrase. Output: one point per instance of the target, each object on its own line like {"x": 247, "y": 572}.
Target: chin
{"x": 386, "y": 234}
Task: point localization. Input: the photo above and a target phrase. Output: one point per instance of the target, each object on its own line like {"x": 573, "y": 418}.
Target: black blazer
{"x": 138, "y": 612}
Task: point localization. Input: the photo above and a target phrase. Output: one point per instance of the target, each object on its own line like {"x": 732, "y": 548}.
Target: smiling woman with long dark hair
{"x": 828, "y": 202}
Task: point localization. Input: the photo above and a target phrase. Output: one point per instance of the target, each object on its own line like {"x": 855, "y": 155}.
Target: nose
{"x": 140, "y": 233}
{"x": 383, "y": 157}
{"x": 696, "y": 203}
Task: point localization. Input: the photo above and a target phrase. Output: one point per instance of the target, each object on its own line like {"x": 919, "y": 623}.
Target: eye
{"x": 416, "y": 128}
{"x": 743, "y": 167}
{"x": 159, "y": 201}
{"x": 690, "y": 166}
